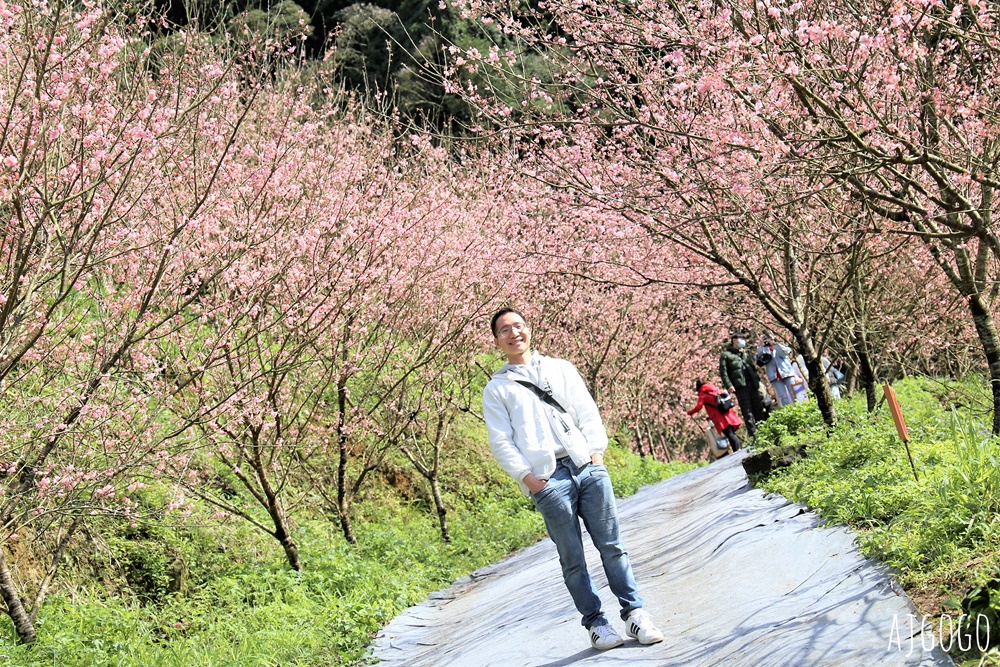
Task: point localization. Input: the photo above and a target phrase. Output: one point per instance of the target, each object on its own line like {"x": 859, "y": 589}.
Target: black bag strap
{"x": 543, "y": 395}
{"x": 714, "y": 397}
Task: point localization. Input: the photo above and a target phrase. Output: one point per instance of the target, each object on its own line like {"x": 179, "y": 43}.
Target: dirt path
{"x": 732, "y": 578}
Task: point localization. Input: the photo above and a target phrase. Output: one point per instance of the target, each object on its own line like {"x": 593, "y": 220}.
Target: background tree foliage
{"x": 391, "y": 54}
{"x": 387, "y": 52}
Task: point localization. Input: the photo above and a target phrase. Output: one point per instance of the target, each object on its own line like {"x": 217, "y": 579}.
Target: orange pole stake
{"x": 897, "y": 418}
{"x": 896, "y": 412}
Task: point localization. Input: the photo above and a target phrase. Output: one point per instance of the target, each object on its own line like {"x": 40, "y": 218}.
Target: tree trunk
{"x": 50, "y": 575}
{"x": 291, "y": 551}
{"x": 343, "y": 513}
{"x": 851, "y": 383}
{"x": 866, "y": 371}
{"x": 290, "y": 548}
{"x": 986, "y": 328}
{"x": 967, "y": 280}
{"x": 650, "y": 441}
{"x": 818, "y": 383}
{"x": 431, "y": 474}
{"x": 343, "y": 500}
{"x": 441, "y": 511}
{"x": 638, "y": 444}
{"x": 23, "y": 626}
{"x": 282, "y": 535}
{"x": 664, "y": 450}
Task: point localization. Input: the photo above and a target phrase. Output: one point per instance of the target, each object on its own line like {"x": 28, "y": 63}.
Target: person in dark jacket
{"x": 726, "y": 422}
{"x": 736, "y": 368}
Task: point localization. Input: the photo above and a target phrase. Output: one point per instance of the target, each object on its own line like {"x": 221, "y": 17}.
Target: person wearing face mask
{"x": 739, "y": 376}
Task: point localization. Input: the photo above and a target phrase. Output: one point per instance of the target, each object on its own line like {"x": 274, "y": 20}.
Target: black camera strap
{"x": 544, "y": 396}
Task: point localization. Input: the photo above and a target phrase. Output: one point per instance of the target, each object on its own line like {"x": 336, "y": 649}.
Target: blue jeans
{"x": 572, "y": 494}
{"x": 785, "y": 391}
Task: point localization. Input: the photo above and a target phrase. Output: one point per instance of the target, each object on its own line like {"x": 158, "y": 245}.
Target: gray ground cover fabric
{"x": 731, "y": 576}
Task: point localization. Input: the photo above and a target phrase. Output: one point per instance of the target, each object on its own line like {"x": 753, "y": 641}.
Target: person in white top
{"x": 546, "y": 432}
{"x": 777, "y": 362}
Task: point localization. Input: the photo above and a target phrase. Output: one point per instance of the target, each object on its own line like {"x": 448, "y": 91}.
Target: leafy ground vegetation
{"x": 939, "y": 531}
{"x": 235, "y": 601}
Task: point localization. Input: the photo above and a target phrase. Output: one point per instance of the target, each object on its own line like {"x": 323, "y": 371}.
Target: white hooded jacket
{"x": 523, "y": 431}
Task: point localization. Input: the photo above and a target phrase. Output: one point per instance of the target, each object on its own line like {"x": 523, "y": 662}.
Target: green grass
{"x": 248, "y": 609}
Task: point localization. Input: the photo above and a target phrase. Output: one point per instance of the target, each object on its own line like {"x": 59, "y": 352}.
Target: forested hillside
{"x": 389, "y": 54}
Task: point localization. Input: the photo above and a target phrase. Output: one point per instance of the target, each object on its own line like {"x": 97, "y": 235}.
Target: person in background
{"x": 739, "y": 376}
{"x": 725, "y": 422}
{"x": 834, "y": 377}
{"x": 545, "y": 431}
{"x": 776, "y": 360}
{"x": 767, "y": 397}
{"x": 802, "y": 379}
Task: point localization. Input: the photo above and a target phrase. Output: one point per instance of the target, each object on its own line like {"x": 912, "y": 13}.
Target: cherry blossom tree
{"x": 638, "y": 347}
{"x": 435, "y": 285}
{"x": 892, "y": 101}
{"x": 638, "y": 351}
{"x": 442, "y": 395}
{"x": 109, "y": 193}
{"x": 318, "y": 341}
{"x": 634, "y": 228}
{"x": 248, "y": 376}
{"x": 784, "y": 120}
{"x": 881, "y": 333}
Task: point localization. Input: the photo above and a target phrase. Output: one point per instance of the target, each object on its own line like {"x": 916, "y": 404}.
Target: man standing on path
{"x": 545, "y": 431}
{"x": 736, "y": 369}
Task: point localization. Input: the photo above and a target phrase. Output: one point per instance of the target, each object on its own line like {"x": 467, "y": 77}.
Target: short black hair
{"x": 500, "y": 313}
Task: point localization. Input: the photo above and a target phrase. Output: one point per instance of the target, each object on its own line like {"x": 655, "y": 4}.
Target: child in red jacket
{"x": 726, "y": 422}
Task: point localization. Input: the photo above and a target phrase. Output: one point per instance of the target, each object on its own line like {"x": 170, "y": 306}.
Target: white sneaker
{"x": 603, "y": 637}
{"x": 640, "y": 626}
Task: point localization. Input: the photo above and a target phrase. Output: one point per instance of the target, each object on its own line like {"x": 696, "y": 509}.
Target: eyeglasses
{"x": 517, "y": 327}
